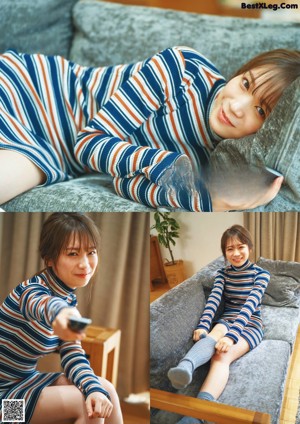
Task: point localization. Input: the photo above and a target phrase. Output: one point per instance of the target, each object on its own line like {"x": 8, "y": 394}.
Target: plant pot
{"x": 174, "y": 272}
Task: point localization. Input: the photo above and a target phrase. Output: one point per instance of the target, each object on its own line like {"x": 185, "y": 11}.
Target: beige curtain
{"x": 276, "y": 234}
{"x": 119, "y": 294}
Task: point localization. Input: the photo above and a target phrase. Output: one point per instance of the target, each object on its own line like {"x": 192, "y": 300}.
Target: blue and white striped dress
{"x": 130, "y": 121}
{"x": 26, "y": 335}
{"x": 243, "y": 288}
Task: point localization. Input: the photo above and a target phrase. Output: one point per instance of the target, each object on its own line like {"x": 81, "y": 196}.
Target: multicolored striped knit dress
{"x": 26, "y": 335}
{"x": 242, "y": 288}
{"x": 130, "y": 121}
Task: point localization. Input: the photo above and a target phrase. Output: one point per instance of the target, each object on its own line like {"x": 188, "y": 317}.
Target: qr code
{"x": 13, "y": 410}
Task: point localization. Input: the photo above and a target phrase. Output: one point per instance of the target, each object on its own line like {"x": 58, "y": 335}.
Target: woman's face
{"x": 238, "y": 110}
{"x": 76, "y": 264}
{"x": 237, "y": 253}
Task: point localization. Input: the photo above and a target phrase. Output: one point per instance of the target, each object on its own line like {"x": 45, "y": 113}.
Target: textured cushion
{"x": 280, "y": 323}
{"x": 94, "y": 193}
{"x": 284, "y": 286}
{"x": 276, "y": 146}
{"x": 36, "y": 26}
{"x": 173, "y": 319}
{"x": 108, "y": 33}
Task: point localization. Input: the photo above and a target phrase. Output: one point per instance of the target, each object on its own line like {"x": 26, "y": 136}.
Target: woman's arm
{"x": 212, "y": 303}
{"x": 36, "y": 303}
{"x": 139, "y": 170}
{"x": 78, "y": 370}
{"x": 254, "y": 299}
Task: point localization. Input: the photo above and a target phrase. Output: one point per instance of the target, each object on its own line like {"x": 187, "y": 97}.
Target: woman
{"x": 242, "y": 285}
{"x": 34, "y": 322}
{"x": 150, "y": 125}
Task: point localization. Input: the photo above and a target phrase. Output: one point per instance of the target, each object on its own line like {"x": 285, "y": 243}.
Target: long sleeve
{"x": 137, "y": 170}
{"x": 78, "y": 370}
{"x": 212, "y": 303}
{"x": 37, "y": 304}
{"x": 261, "y": 281}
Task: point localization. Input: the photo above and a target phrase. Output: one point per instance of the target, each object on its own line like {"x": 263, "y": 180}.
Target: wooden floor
{"x": 158, "y": 289}
{"x": 135, "y": 413}
{"x": 292, "y": 389}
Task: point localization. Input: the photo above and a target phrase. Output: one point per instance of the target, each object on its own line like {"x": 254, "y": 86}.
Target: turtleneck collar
{"x": 58, "y": 287}
{"x": 218, "y": 86}
{"x": 246, "y": 265}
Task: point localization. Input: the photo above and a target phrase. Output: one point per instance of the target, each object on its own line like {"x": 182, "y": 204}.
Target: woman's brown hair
{"x": 239, "y": 232}
{"x": 280, "y": 67}
{"x": 62, "y": 228}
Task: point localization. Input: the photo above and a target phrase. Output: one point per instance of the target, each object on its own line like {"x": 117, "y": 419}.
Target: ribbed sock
{"x": 198, "y": 355}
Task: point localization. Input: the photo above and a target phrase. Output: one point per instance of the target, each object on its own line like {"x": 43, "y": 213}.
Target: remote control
{"x": 78, "y": 324}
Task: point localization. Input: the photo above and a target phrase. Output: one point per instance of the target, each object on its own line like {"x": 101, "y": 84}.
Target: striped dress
{"x": 242, "y": 288}
{"x": 132, "y": 122}
{"x": 26, "y": 335}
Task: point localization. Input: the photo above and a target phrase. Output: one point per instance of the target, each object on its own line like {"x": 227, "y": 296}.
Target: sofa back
{"x": 110, "y": 33}
{"x": 36, "y": 26}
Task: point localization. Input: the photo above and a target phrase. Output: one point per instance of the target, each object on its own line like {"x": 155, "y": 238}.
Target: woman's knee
{"x": 108, "y": 386}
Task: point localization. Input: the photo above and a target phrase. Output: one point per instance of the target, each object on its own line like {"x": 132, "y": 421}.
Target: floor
{"x": 158, "y": 289}
{"x": 292, "y": 390}
{"x": 135, "y": 413}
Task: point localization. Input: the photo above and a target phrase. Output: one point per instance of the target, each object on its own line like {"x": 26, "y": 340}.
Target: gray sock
{"x": 199, "y": 354}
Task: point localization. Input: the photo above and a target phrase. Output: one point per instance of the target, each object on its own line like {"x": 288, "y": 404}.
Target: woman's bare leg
{"x": 17, "y": 175}
{"x": 64, "y": 402}
{"x": 218, "y": 374}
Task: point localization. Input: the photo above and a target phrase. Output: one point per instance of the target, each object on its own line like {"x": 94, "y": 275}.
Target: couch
{"x": 257, "y": 380}
{"x": 96, "y": 33}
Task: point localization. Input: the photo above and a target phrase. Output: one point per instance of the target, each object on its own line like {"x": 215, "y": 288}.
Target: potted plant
{"x": 167, "y": 229}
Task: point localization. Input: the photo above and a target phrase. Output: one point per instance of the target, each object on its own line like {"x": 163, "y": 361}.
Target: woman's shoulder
{"x": 259, "y": 270}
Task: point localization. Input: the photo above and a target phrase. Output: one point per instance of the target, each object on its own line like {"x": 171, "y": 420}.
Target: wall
{"x": 200, "y": 236}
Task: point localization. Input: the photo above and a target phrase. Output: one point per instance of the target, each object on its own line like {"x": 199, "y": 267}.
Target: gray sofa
{"x": 257, "y": 379}
{"x": 96, "y": 33}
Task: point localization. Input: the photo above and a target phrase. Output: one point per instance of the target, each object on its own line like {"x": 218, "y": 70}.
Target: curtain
{"x": 276, "y": 234}
{"x": 119, "y": 295}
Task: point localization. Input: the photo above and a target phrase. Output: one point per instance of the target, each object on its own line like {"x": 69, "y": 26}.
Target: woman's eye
{"x": 245, "y": 83}
{"x": 72, "y": 253}
{"x": 261, "y": 112}
{"x": 93, "y": 252}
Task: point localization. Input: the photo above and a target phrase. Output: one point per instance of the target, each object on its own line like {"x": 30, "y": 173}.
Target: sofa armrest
{"x": 197, "y": 408}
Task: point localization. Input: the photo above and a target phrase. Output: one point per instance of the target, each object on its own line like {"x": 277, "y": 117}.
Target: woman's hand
{"x": 224, "y": 344}
{"x": 247, "y": 196}
{"x": 60, "y": 325}
{"x": 98, "y": 405}
{"x": 198, "y": 333}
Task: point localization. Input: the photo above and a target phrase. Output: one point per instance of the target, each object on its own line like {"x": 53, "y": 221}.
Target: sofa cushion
{"x": 284, "y": 286}
{"x": 110, "y": 34}
{"x": 275, "y": 145}
{"x": 93, "y": 193}
{"x": 280, "y": 323}
{"x": 264, "y": 368}
{"x": 173, "y": 318}
{"x": 36, "y": 26}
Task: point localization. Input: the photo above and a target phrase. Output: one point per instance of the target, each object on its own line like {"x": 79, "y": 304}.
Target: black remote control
{"x": 78, "y": 324}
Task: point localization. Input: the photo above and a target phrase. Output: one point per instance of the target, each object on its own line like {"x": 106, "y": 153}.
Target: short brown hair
{"x": 283, "y": 68}
{"x": 58, "y": 229}
{"x": 239, "y": 232}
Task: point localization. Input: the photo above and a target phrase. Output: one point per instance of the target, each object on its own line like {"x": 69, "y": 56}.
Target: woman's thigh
{"x": 17, "y": 175}
{"x": 218, "y": 331}
{"x": 63, "y": 404}
{"x": 235, "y": 352}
